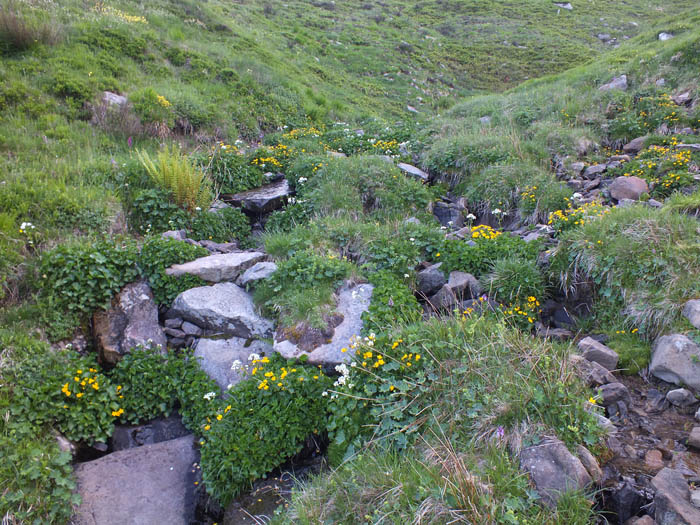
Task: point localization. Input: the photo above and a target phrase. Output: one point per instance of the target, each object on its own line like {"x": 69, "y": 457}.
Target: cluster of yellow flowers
{"x": 164, "y": 101}
{"x": 84, "y": 381}
{"x": 529, "y": 310}
{"x": 577, "y": 216}
{"x": 483, "y": 231}
{"x": 117, "y": 13}
{"x": 386, "y": 145}
{"x": 298, "y": 133}
{"x": 529, "y": 194}
{"x": 263, "y": 161}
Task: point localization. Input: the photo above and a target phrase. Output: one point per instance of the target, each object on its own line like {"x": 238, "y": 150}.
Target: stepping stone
{"x": 217, "y": 268}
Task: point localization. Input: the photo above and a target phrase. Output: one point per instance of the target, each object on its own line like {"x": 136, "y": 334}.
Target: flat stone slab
{"x": 223, "y": 308}
{"x": 352, "y": 302}
{"x": 139, "y": 486}
{"x": 413, "y": 171}
{"x": 217, "y": 268}
{"x": 261, "y": 200}
{"x": 217, "y": 356}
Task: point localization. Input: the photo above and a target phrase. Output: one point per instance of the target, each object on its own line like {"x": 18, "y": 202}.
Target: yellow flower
{"x": 219, "y": 417}
{"x": 592, "y": 400}
{"x": 207, "y": 427}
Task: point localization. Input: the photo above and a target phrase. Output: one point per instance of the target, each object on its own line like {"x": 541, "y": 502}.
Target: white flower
{"x": 302, "y": 180}
{"x": 253, "y": 357}
{"x": 406, "y": 275}
{"x": 577, "y": 196}
{"x": 412, "y": 239}
{"x": 236, "y": 365}
{"x": 471, "y": 217}
{"x": 324, "y": 394}
{"x": 498, "y": 211}
{"x": 450, "y": 223}
{"x": 209, "y": 396}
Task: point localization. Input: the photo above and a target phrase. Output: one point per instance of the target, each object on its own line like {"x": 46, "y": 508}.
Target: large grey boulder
{"x": 598, "y": 353}
{"x": 217, "y": 268}
{"x": 672, "y": 499}
{"x": 553, "y": 469}
{"x": 430, "y": 280}
{"x": 628, "y": 188}
{"x": 676, "y": 359}
{"x": 635, "y": 145}
{"x": 257, "y": 272}
{"x": 131, "y": 321}
{"x": 223, "y": 308}
{"x": 352, "y": 303}
{"x": 413, "y": 171}
{"x": 616, "y": 83}
{"x": 691, "y": 311}
{"x": 261, "y": 200}
{"x": 224, "y": 360}
{"x": 140, "y": 486}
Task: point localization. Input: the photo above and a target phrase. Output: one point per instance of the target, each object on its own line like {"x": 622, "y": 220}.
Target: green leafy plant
{"x": 514, "y": 278}
{"x": 175, "y": 172}
{"x": 393, "y": 304}
{"x": 156, "y": 256}
{"x": 153, "y": 212}
{"x": 152, "y": 108}
{"x": 231, "y": 170}
{"x": 223, "y": 225}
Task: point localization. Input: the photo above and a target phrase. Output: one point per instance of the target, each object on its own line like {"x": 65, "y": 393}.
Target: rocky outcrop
{"x": 217, "y": 268}
{"x": 261, "y": 200}
{"x": 144, "y": 485}
{"x": 224, "y": 360}
{"x": 223, "y": 308}
{"x": 352, "y": 303}
{"x": 430, "y": 280}
{"x": 553, "y": 469}
{"x": 131, "y": 321}
{"x": 676, "y": 359}
{"x": 672, "y": 499}
{"x": 459, "y": 286}
{"x": 616, "y": 83}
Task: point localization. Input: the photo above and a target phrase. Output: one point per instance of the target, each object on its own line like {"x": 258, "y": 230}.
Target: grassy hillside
{"x": 246, "y": 86}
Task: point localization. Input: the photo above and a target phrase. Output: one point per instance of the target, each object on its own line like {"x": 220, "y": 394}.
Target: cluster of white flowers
{"x": 209, "y": 396}
{"x": 291, "y": 200}
{"x": 471, "y": 217}
{"x": 302, "y": 180}
{"x": 498, "y": 211}
{"x": 26, "y": 226}
{"x": 236, "y": 365}
{"x": 253, "y": 357}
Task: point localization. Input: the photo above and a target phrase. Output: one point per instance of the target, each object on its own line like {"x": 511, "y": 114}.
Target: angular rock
{"x": 614, "y": 392}
{"x": 628, "y": 188}
{"x": 430, "y": 280}
{"x": 178, "y": 235}
{"x": 174, "y": 332}
{"x": 352, "y": 303}
{"x": 635, "y": 145}
{"x": 449, "y": 215}
{"x": 261, "y": 200}
{"x": 672, "y": 499}
{"x": 131, "y": 321}
{"x": 654, "y": 460}
{"x": 257, "y": 272}
{"x": 141, "y": 486}
{"x": 592, "y": 373}
{"x": 665, "y": 36}
{"x": 191, "y": 329}
{"x": 681, "y": 397}
{"x": 113, "y": 99}
{"x": 219, "y": 247}
{"x": 413, "y": 171}
{"x": 156, "y": 431}
{"x": 590, "y": 463}
{"x": 616, "y": 83}
{"x": 173, "y": 323}
{"x": 216, "y": 357}
{"x": 691, "y": 311}
{"x": 688, "y": 147}
{"x": 553, "y": 469}
{"x": 676, "y": 359}
{"x": 599, "y": 353}
{"x": 694, "y": 438}
{"x": 592, "y": 171}
{"x": 222, "y": 308}
{"x": 460, "y": 286}
{"x": 217, "y": 268}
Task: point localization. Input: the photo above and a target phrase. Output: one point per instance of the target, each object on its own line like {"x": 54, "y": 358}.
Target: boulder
{"x": 430, "y": 280}
{"x": 553, "y": 469}
{"x": 352, "y": 303}
{"x": 448, "y": 214}
{"x": 688, "y": 147}
{"x": 131, "y": 321}
{"x": 257, "y": 272}
{"x": 616, "y": 83}
{"x": 672, "y": 499}
{"x": 223, "y": 308}
{"x": 413, "y": 171}
{"x": 694, "y": 438}
{"x": 591, "y": 172}
{"x": 218, "y": 267}
{"x": 665, "y": 36}
{"x": 156, "y": 431}
{"x": 592, "y": 373}
{"x": 611, "y": 393}
{"x": 635, "y": 145}
{"x": 599, "y": 353}
{"x": 112, "y": 99}
{"x": 628, "y": 188}
{"x": 676, "y": 359}
{"x": 691, "y": 311}
{"x": 459, "y": 286}
{"x": 139, "y": 486}
{"x": 681, "y": 397}
{"x": 217, "y": 357}
{"x": 261, "y": 200}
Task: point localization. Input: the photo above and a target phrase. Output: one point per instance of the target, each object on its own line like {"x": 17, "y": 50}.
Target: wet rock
{"x": 156, "y": 431}
{"x": 216, "y": 358}
{"x": 261, "y": 200}
{"x": 616, "y": 83}
{"x": 676, "y": 359}
{"x": 413, "y": 171}
{"x": 681, "y": 397}
{"x": 694, "y": 438}
{"x": 222, "y": 308}
{"x": 460, "y": 285}
{"x": 257, "y": 272}
{"x": 691, "y": 311}
{"x": 352, "y": 303}
{"x": 217, "y": 268}
{"x": 131, "y": 321}
{"x": 598, "y": 353}
{"x": 430, "y": 280}
{"x": 611, "y": 393}
{"x": 628, "y": 188}
{"x": 148, "y": 484}
{"x": 672, "y": 499}
{"x": 634, "y": 146}
{"x": 553, "y": 469}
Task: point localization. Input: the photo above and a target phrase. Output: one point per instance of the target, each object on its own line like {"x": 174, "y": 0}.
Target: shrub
{"x": 570, "y": 217}
{"x": 223, "y": 225}
{"x": 393, "y": 304}
{"x": 294, "y": 214}
{"x": 176, "y": 173}
{"x": 82, "y": 277}
{"x": 513, "y": 279}
{"x": 156, "y": 256}
{"x": 265, "y": 422}
{"x": 152, "y": 108}
{"x": 153, "y": 212}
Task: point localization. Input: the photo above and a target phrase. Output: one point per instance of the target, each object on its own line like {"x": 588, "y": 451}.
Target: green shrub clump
{"x": 223, "y": 225}
{"x": 232, "y": 171}
{"x": 159, "y": 254}
{"x": 514, "y": 279}
{"x": 393, "y": 304}
{"x": 264, "y": 422}
{"x": 152, "y": 212}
